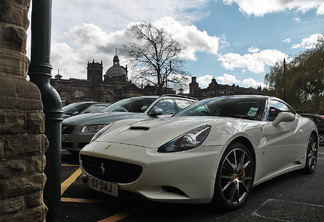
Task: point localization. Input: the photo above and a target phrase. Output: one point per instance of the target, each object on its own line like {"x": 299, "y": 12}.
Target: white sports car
{"x": 215, "y": 151}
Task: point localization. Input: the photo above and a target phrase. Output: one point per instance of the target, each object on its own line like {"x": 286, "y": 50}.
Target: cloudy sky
{"x": 233, "y": 41}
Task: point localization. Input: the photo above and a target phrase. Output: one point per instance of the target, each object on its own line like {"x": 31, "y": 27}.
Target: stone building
{"x": 110, "y": 87}
{"x": 22, "y": 139}
{"x": 214, "y": 89}
{"x": 114, "y": 85}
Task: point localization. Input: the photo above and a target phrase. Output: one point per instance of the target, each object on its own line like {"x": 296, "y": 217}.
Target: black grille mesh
{"x": 111, "y": 170}
{"x": 67, "y": 129}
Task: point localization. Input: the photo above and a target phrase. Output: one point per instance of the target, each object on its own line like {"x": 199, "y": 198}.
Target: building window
{"x": 78, "y": 93}
{"x": 63, "y": 99}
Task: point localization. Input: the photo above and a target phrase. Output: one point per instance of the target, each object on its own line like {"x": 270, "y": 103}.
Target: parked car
{"x": 77, "y": 131}
{"x": 83, "y": 107}
{"x": 319, "y": 121}
{"x": 214, "y": 151}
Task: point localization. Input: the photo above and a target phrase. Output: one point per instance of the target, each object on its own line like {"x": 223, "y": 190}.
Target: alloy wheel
{"x": 311, "y": 154}
{"x": 236, "y": 176}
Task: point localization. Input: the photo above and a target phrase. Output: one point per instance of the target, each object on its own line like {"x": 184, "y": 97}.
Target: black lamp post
{"x": 40, "y": 74}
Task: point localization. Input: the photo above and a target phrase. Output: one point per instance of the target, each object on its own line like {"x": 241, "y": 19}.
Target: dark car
{"x": 83, "y": 107}
{"x": 319, "y": 121}
{"x": 77, "y": 131}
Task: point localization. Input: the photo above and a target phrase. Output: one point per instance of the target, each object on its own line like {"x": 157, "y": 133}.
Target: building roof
{"x": 116, "y": 69}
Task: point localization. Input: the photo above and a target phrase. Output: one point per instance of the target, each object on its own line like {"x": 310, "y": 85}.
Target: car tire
{"x": 321, "y": 139}
{"x": 234, "y": 178}
{"x": 311, "y": 155}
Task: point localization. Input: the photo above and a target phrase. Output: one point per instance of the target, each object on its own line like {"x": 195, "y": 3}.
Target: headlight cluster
{"x": 187, "y": 140}
{"x": 101, "y": 131}
{"x": 92, "y": 128}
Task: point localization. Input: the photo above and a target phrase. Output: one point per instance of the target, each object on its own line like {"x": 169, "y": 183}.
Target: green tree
{"x": 155, "y": 56}
{"x": 301, "y": 81}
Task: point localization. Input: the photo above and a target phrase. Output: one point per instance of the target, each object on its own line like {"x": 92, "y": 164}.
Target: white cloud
{"x": 204, "y": 81}
{"x": 309, "y": 42}
{"x": 320, "y": 10}
{"x": 67, "y": 64}
{"x": 223, "y": 41}
{"x": 253, "y": 49}
{"x": 90, "y": 43}
{"x": 115, "y": 15}
{"x": 227, "y": 79}
{"x": 260, "y": 8}
{"x": 288, "y": 40}
{"x": 254, "y": 62}
{"x": 296, "y": 19}
{"x": 252, "y": 83}
{"x": 194, "y": 39}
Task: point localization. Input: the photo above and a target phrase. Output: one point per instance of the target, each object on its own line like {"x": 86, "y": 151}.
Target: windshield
{"x": 95, "y": 108}
{"x": 236, "y": 107}
{"x": 74, "y": 108}
{"x": 137, "y": 105}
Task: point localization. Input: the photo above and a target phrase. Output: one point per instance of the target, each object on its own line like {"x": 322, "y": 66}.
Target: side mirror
{"x": 283, "y": 117}
{"x": 156, "y": 111}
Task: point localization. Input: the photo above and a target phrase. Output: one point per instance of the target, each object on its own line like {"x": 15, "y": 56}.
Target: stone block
{"x": 34, "y": 199}
{"x": 24, "y": 145}
{"x": 13, "y": 168}
{"x": 12, "y": 122}
{"x": 15, "y": 13}
{"x": 21, "y": 186}
{"x": 34, "y": 214}
{"x": 36, "y": 164}
{"x": 7, "y": 87}
{"x": 36, "y": 123}
{"x": 14, "y": 37}
{"x": 29, "y": 104}
{"x": 11, "y": 205}
{"x": 2, "y": 153}
{"x": 8, "y": 102}
{"x": 27, "y": 90}
{"x": 13, "y": 63}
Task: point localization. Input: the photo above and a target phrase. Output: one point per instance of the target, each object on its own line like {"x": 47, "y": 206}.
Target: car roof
{"x": 166, "y": 96}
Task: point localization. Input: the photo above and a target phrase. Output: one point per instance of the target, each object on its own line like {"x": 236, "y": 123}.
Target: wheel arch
{"x": 246, "y": 142}
{"x": 316, "y": 136}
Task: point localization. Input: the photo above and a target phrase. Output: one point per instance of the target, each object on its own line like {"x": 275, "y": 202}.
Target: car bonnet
{"x": 152, "y": 133}
{"x": 98, "y": 118}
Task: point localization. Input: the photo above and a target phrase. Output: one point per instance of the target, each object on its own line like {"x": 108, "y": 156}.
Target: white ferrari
{"x": 214, "y": 151}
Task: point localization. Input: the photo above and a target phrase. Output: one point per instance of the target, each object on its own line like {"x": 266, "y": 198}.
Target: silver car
{"x": 77, "y": 131}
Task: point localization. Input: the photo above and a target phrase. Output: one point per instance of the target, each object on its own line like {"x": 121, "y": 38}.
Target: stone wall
{"x": 22, "y": 140}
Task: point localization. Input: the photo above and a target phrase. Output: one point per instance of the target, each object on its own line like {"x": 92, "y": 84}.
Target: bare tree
{"x": 155, "y": 56}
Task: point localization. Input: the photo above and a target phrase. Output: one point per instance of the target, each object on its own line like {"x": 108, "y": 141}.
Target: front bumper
{"x": 74, "y": 141}
{"x": 169, "y": 177}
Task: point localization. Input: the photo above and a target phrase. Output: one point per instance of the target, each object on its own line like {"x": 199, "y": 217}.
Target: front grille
{"x": 67, "y": 129}
{"x": 67, "y": 145}
{"x": 81, "y": 145}
{"x": 111, "y": 170}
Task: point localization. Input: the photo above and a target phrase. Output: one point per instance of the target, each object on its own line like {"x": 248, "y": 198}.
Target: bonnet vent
{"x": 139, "y": 128}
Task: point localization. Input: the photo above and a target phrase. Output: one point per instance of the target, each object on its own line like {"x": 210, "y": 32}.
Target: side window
{"x": 276, "y": 107}
{"x": 181, "y": 104}
{"x": 167, "y": 106}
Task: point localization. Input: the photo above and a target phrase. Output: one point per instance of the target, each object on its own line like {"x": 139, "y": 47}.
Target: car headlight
{"x": 100, "y": 132}
{"x": 186, "y": 141}
{"x": 92, "y": 128}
